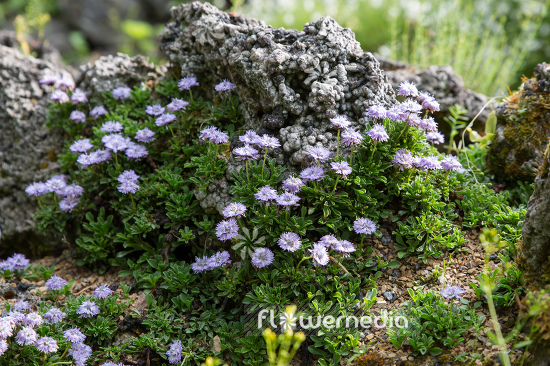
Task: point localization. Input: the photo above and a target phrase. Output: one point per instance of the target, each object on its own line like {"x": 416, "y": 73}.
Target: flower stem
{"x": 169, "y": 126}
{"x": 247, "y": 177}
{"x": 133, "y": 202}
{"x": 335, "y": 184}
{"x": 263, "y": 166}
{"x": 337, "y": 144}
{"x": 373, "y": 150}
{"x": 303, "y": 259}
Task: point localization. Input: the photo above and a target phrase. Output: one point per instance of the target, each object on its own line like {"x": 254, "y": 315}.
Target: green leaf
{"x": 436, "y": 351}
{"x": 394, "y": 264}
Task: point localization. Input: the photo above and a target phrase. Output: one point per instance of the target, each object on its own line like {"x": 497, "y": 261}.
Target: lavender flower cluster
{"x": 15, "y": 262}
{"x": 21, "y": 323}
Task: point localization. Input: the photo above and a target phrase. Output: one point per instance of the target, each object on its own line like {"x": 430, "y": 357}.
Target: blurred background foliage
{"x": 490, "y": 43}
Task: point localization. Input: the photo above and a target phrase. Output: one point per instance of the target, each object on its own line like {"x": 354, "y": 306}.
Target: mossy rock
{"x": 523, "y": 130}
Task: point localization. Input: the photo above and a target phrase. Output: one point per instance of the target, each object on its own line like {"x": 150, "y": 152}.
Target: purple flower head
{"x": 319, "y": 153}
{"x": 36, "y": 189}
{"x": 59, "y": 96}
{"x": 87, "y": 309}
{"x": 55, "y": 283}
{"x": 98, "y": 111}
{"x": 213, "y": 135}
{"x": 452, "y": 292}
{"x": 74, "y": 335}
{"x": 330, "y": 241}
{"x": 18, "y": 261}
{"x": 174, "y": 353}
{"x": 319, "y": 254}
{"x": 69, "y": 203}
{"x": 450, "y": 163}
{"x": 102, "y": 291}
{"x": 431, "y": 104}
{"x": 101, "y": 155}
{"x": 227, "y": 229}
{"x": 250, "y": 138}
{"x": 80, "y": 353}
{"x": 145, "y": 135}
{"x": 33, "y": 319}
{"x": 201, "y": 265}
{"x": 49, "y": 80}
{"x": 3, "y": 346}
{"x": 413, "y": 120}
{"x": 429, "y": 163}
{"x": 376, "y": 112}
{"x": 290, "y": 242}
{"x": 86, "y": 159}
{"x": 26, "y": 336}
{"x": 177, "y": 105}
{"x": 46, "y": 345}
{"x": 128, "y": 187}
{"x": 122, "y": 92}
{"x": 364, "y": 226}
{"x": 266, "y": 194}
{"x": 21, "y": 305}
{"x": 422, "y": 96}
{"x": 312, "y": 173}
{"x": 111, "y": 127}
{"x": 136, "y": 151}
{"x": 407, "y": 89}
{"x": 187, "y": 83}
{"x": 340, "y": 122}
{"x": 56, "y": 183}
{"x": 78, "y": 117}
{"x": 346, "y": 247}
{"x": 7, "y": 325}
{"x": 219, "y": 259}
{"x": 246, "y": 152}
{"x": 65, "y": 83}
{"x": 410, "y": 106}
{"x": 154, "y": 110}
{"x": 78, "y": 96}
{"x": 72, "y": 190}
{"x": 82, "y": 145}
{"x": 351, "y": 137}
{"x": 394, "y": 113}
{"x": 428, "y": 124}
{"x": 15, "y": 317}
{"x": 287, "y": 199}
{"x": 128, "y": 176}
{"x": 54, "y": 315}
{"x": 435, "y": 138}
{"x": 262, "y": 257}
{"x": 270, "y": 142}
{"x": 378, "y": 133}
{"x": 342, "y": 168}
{"x": 165, "y": 119}
{"x": 224, "y": 86}
{"x": 403, "y": 159}
{"x": 293, "y": 184}
{"x": 115, "y": 142}
{"x": 234, "y": 209}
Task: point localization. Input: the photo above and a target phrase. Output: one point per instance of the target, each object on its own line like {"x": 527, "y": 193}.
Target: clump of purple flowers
{"x": 293, "y": 184}
{"x": 87, "y": 309}
{"x": 225, "y": 86}
{"x": 319, "y": 154}
{"x": 234, "y": 209}
{"x": 55, "y": 283}
{"x": 128, "y": 182}
{"x": 145, "y": 135}
{"x": 174, "y": 353}
{"x": 214, "y": 135}
{"x": 122, "y": 92}
{"x": 227, "y": 229}
{"x": 154, "y": 110}
{"x": 290, "y": 241}
{"x": 188, "y": 82}
{"x": 102, "y": 291}
{"x": 15, "y": 262}
{"x": 452, "y": 292}
{"x": 266, "y": 194}
{"x": 220, "y": 259}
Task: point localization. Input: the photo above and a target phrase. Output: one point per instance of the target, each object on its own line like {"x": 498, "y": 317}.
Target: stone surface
{"x": 27, "y": 149}
{"x": 443, "y": 83}
{"x": 109, "y": 72}
{"x": 523, "y": 129}
{"x": 290, "y": 82}
{"x": 534, "y": 250}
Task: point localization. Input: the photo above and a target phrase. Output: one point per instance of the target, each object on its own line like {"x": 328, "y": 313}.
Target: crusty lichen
{"x": 524, "y": 128}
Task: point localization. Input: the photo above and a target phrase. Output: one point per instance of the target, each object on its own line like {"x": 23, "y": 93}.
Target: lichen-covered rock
{"x": 290, "y": 82}
{"x": 534, "y": 251}
{"x": 444, "y": 84}
{"x": 109, "y": 72}
{"x": 27, "y": 149}
{"x": 523, "y": 129}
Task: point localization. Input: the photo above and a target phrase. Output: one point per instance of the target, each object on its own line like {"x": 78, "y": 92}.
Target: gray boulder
{"x": 289, "y": 82}
{"x": 28, "y": 151}
{"x": 444, "y": 84}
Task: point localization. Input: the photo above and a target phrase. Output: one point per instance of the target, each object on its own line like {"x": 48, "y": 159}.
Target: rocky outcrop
{"x": 109, "y": 72}
{"x": 289, "y": 82}
{"x": 28, "y": 151}
{"x": 523, "y": 129}
{"x": 444, "y": 84}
